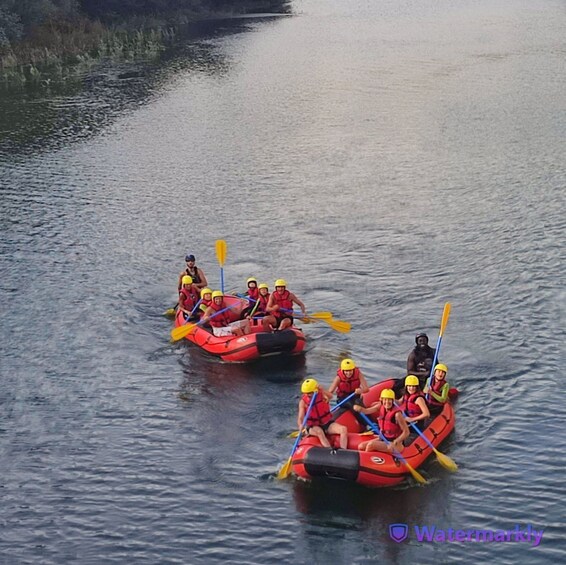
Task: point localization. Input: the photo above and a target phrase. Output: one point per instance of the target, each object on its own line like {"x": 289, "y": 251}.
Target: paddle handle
{"x": 416, "y": 428}
{"x": 343, "y": 401}
{"x": 434, "y": 359}
{"x": 443, "y": 323}
{"x": 381, "y": 436}
{"x": 307, "y": 414}
{"x": 195, "y": 308}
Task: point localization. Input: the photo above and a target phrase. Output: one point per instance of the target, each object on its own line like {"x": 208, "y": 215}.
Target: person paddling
{"x": 413, "y": 402}
{"x": 349, "y": 379}
{"x": 437, "y": 393}
{"x": 320, "y": 419}
{"x": 221, "y": 323}
{"x": 280, "y": 307}
{"x": 390, "y": 421}
{"x": 197, "y": 274}
{"x": 205, "y": 300}
{"x": 188, "y": 297}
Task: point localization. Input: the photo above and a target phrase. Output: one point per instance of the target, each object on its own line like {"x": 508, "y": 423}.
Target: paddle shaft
{"x": 285, "y": 469}
{"x": 443, "y": 322}
{"x": 188, "y": 326}
{"x": 387, "y": 442}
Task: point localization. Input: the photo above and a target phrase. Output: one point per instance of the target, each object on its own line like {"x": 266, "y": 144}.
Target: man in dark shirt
{"x": 420, "y": 359}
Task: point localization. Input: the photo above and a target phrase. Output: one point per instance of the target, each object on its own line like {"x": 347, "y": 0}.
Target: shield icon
{"x": 398, "y": 532}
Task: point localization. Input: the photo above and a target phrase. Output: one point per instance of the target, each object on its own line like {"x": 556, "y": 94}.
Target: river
{"x": 384, "y": 158}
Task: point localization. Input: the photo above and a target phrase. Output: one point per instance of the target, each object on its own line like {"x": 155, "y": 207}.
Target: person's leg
{"x": 342, "y": 431}
{"x": 376, "y": 445}
{"x": 317, "y": 432}
{"x": 269, "y": 323}
{"x": 284, "y": 324}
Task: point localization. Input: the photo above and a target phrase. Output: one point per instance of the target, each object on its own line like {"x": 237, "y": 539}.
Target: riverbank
{"x": 56, "y": 49}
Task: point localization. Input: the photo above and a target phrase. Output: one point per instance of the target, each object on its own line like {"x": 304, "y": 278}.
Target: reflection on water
{"x": 56, "y": 112}
{"x": 384, "y": 158}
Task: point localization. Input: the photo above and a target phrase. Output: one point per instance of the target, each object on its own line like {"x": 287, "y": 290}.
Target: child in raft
{"x": 390, "y": 421}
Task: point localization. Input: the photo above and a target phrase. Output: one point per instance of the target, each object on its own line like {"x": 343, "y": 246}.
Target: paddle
{"x": 221, "y": 256}
{"x": 286, "y": 469}
{"x": 416, "y": 475}
{"x": 170, "y": 312}
{"x": 339, "y": 325}
{"x": 334, "y": 408}
{"x": 181, "y": 331}
{"x": 443, "y": 324}
{"x": 442, "y": 458}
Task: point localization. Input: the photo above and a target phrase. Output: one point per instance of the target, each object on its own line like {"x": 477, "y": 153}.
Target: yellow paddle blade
{"x": 285, "y": 470}
{"x": 367, "y": 433}
{"x": 221, "y": 251}
{"x": 445, "y": 316}
{"x": 416, "y": 475}
{"x": 339, "y": 325}
{"x": 170, "y": 313}
{"x": 181, "y": 331}
{"x": 294, "y": 434}
{"x": 321, "y": 315}
{"x": 445, "y": 461}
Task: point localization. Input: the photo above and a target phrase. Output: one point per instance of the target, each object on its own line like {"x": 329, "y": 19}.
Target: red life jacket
{"x": 388, "y": 424}
{"x": 262, "y": 306}
{"x": 410, "y": 406}
{"x": 436, "y": 387}
{"x": 284, "y": 302}
{"x": 253, "y": 293}
{"x": 187, "y": 298}
{"x": 347, "y": 386}
{"x": 204, "y": 304}
{"x": 320, "y": 412}
{"x": 219, "y": 320}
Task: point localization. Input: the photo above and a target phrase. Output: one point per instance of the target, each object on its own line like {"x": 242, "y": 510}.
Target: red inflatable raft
{"x": 248, "y": 347}
{"x": 370, "y": 468}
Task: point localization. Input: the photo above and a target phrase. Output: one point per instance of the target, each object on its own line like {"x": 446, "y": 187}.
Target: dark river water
{"x": 384, "y": 158}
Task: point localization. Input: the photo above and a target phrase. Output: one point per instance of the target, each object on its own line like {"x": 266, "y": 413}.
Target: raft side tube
{"x": 337, "y": 464}
{"x": 278, "y": 342}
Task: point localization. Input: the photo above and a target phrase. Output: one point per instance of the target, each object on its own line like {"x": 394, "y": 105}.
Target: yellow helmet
{"x": 387, "y": 393}
{"x": 251, "y": 279}
{"x": 263, "y": 285}
{"x": 280, "y": 282}
{"x": 347, "y": 365}
{"x": 441, "y": 367}
{"x": 308, "y": 386}
{"x": 205, "y": 291}
{"x": 411, "y": 380}
{"x": 187, "y": 280}
{"x": 217, "y": 293}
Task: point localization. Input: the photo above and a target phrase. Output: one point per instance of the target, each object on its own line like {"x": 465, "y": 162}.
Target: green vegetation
{"x": 41, "y": 34}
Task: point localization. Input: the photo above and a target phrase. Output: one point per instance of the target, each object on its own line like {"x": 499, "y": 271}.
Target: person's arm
{"x": 334, "y": 385}
{"x": 271, "y": 307}
{"x": 373, "y": 408}
{"x": 411, "y": 365}
{"x": 297, "y": 301}
{"x": 180, "y": 283}
{"x": 443, "y": 396}
{"x": 327, "y": 395}
{"x": 425, "y": 412}
{"x": 207, "y": 314}
{"x": 301, "y": 415}
{"x": 363, "y": 385}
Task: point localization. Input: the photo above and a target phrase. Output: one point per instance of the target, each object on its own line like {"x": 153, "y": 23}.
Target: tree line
{"x": 20, "y": 19}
